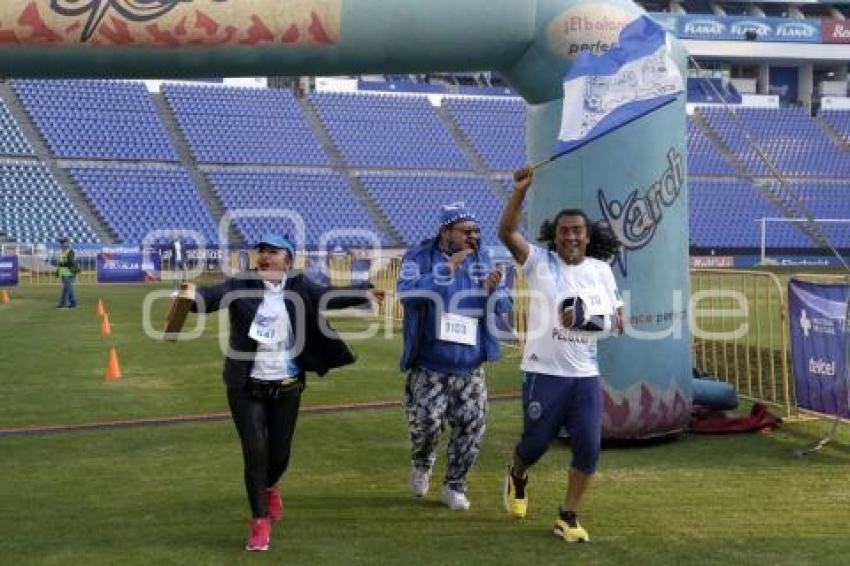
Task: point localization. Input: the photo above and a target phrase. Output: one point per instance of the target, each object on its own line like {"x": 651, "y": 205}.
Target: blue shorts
{"x": 550, "y": 402}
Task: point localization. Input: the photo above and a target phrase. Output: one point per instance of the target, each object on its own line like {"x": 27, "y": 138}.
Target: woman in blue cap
{"x": 277, "y": 335}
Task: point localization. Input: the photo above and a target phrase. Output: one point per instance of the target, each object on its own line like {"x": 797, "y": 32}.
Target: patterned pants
{"x": 432, "y": 399}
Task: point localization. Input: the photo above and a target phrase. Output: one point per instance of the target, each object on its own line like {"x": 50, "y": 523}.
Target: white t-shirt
{"x": 550, "y": 348}
{"x": 274, "y": 359}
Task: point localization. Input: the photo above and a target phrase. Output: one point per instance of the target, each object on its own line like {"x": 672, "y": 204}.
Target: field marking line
{"x": 151, "y": 421}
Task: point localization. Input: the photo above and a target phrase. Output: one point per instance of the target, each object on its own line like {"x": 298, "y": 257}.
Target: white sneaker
{"x": 456, "y": 500}
{"x": 419, "y": 482}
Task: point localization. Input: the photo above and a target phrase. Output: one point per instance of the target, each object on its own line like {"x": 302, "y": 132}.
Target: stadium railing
{"x": 740, "y": 332}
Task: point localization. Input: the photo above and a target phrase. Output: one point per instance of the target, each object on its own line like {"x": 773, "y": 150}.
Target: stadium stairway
{"x": 97, "y": 223}
{"x": 338, "y": 164}
{"x": 714, "y": 137}
{"x": 779, "y": 198}
{"x": 787, "y": 201}
{"x": 468, "y": 150}
{"x": 831, "y": 133}
{"x": 216, "y": 207}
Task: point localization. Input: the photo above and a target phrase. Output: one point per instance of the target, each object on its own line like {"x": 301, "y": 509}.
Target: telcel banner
{"x": 8, "y": 270}
{"x": 818, "y": 321}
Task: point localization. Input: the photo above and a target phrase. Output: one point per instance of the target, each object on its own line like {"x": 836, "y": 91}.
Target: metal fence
{"x": 740, "y": 332}
{"x": 37, "y": 264}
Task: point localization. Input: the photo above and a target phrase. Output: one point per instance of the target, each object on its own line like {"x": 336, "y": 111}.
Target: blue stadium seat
{"x": 89, "y": 119}
{"x": 724, "y": 213}
{"x": 494, "y": 126}
{"x": 12, "y": 140}
{"x": 411, "y": 202}
{"x": 34, "y": 208}
{"x": 135, "y": 201}
{"x": 244, "y": 125}
{"x": 381, "y": 130}
{"x": 789, "y": 137}
{"x": 322, "y": 199}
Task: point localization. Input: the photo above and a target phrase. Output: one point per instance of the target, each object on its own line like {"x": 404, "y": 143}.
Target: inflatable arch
{"x": 634, "y": 178}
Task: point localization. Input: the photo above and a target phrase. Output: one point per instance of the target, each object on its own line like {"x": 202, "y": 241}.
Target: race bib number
{"x": 595, "y": 302}
{"x": 266, "y": 330}
{"x": 459, "y": 329}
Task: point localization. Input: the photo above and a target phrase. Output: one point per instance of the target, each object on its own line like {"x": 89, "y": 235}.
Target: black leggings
{"x": 265, "y": 429}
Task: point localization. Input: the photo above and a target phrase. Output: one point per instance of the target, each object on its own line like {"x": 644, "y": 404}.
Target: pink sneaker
{"x": 261, "y": 532}
{"x": 275, "y": 503}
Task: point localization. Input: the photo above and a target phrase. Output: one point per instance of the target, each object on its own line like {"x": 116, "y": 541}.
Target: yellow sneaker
{"x": 514, "y": 505}
{"x": 570, "y": 534}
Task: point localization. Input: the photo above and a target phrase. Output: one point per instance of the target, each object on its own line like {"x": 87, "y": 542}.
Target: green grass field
{"x": 172, "y": 494}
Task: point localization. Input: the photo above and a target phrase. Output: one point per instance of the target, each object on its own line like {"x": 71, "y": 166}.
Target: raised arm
{"x": 509, "y": 224}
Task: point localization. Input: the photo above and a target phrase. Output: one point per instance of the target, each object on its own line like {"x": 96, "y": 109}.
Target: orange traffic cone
{"x": 100, "y": 310}
{"x": 105, "y": 329}
{"x": 113, "y": 370}
{"x": 4, "y": 297}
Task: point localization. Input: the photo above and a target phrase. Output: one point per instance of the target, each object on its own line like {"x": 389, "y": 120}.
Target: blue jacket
{"x": 421, "y": 346}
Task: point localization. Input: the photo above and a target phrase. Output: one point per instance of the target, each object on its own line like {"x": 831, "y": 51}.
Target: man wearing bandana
{"x": 448, "y": 286}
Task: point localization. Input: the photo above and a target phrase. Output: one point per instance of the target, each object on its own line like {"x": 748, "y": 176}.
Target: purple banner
{"x": 818, "y": 330}
{"x": 8, "y": 270}
{"x": 126, "y": 267}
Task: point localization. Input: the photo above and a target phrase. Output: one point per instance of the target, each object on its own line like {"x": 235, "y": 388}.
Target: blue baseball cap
{"x": 279, "y": 241}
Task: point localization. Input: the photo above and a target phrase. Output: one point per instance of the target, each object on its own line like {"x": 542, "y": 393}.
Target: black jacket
{"x": 320, "y": 351}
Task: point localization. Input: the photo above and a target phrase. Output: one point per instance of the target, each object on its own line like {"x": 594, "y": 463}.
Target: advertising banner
{"x": 835, "y": 31}
{"x": 8, "y": 270}
{"x": 752, "y": 260}
{"x": 126, "y": 267}
{"x": 735, "y": 28}
{"x": 818, "y": 330}
{"x": 711, "y": 261}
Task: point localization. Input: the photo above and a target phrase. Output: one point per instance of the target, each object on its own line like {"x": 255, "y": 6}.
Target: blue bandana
{"x": 455, "y": 212}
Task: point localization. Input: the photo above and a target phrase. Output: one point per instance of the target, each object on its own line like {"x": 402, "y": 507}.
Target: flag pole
{"x": 592, "y": 137}
{"x": 540, "y": 164}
